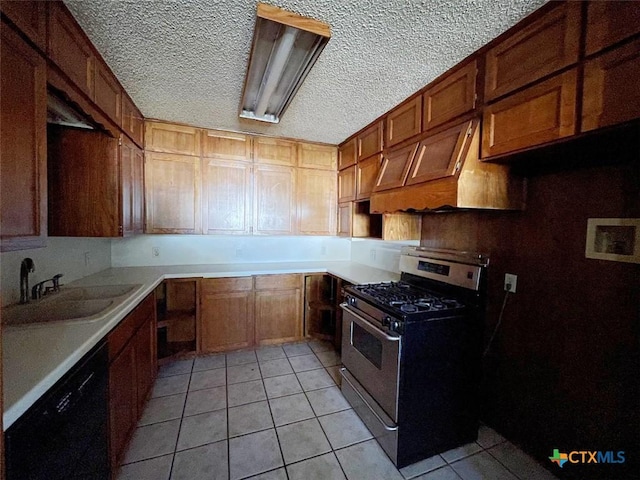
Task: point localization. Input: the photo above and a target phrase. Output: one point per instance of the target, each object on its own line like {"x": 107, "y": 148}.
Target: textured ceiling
{"x": 185, "y": 60}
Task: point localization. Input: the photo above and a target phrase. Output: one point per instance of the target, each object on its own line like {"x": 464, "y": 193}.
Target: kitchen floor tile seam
{"x": 226, "y": 378}
{"x": 275, "y": 430}
{"x": 184, "y": 407}
{"x": 333, "y": 450}
{"x": 518, "y": 475}
{"x": 482, "y": 449}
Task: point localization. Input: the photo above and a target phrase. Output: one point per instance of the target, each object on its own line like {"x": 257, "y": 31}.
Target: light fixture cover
{"x": 285, "y": 47}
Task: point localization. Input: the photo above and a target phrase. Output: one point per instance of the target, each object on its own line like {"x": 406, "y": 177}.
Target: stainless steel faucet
{"x": 37, "y": 290}
{"x": 26, "y": 266}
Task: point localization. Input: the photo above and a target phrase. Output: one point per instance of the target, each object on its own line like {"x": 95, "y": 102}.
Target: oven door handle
{"x": 368, "y": 326}
{"x": 344, "y": 372}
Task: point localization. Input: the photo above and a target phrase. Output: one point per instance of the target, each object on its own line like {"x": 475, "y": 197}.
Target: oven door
{"x": 373, "y": 358}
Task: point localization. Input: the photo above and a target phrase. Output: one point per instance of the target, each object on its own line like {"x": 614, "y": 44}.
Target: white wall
{"x": 378, "y": 253}
{"x": 196, "y": 249}
{"x": 61, "y": 255}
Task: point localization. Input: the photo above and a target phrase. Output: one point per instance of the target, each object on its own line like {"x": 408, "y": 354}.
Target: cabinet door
{"x": 278, "y": 315}
{"x": 404, "y": 122}
{"x": 275, "y": 151}
{"x": 107, "y": 92}
{"x": 126, "y": 181}
{"x": 30, "y": 17}
{"x": 138, "y": 191}
{"x": 274, "y": 200}
{"x": 172, "y": 193}
{"x": 541, "y": 48}
{"x": 69, "y": 48}
{"x": 23, "y": 144}
{"x": 370, "y": 141}
{"x": 317, "y": 201}
{"x": 345, "y": 216}
{"x": 395, "y": 167}
{"x": 441, "y": 155}
{"x": 539, "y": 114}
{"x": 347, "y": 184}
{"x": 169, "y": 138}
{"x": 144, "y": 343}
{"x": 311, "y": 155}
{"x": 367, "y": 172}
{"x": 610, "y": 22}
{"x": 132, "y": 121}
{"x": 123, "y": 402}
{"x": 84, "y": 183}
{"x": 228, "y": 145}
{"x": 347, "y": 154}
{"x": 451, "y": 97}
{"x": 611, "y": 94}
{"x": 226, "y": 190}
{"x": 226, "y": 314}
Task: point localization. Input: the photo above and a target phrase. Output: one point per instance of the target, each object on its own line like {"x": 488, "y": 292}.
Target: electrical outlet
{"x": 510, "y": 282}
{"x": 155, "y": 251}
{"x": 87, "y": 259}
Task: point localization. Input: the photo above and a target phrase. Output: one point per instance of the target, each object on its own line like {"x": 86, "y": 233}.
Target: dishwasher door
{"x": 64, "y": 434}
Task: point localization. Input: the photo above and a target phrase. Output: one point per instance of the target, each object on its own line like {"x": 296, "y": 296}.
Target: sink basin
{"x": 72, "y": 305}
{"x": 97, "y": 292}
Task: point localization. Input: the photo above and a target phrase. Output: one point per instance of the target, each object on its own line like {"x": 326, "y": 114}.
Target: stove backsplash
{"x": 378, "y": 253}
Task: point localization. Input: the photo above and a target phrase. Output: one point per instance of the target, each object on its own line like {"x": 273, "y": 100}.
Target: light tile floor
{"x": 277, "y": 413}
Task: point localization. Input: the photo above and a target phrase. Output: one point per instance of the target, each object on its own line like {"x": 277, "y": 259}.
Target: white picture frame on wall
{"x": 614, "y": 239}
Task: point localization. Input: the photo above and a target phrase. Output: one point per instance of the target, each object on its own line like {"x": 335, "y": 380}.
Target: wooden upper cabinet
{"x": 226, "y": 320}
{"x": 274, "y": 200}
{"x": 275, "y": 151}
{"x": 370, "y": 141}
{"x": 610, "y": 22}
{"x": 172, "y": 193}
{"x": 347, "y": 184}
{"x": 85, "y": 184}
{"x": 107, "y": 92}
{"x": 395, "y": 167}
{"x": 404, "y": 122}
{"x": 69, "y": 48}
{"x": 226, "y": 194}
{"x": 228, "y": 145}
{"x": 545, "y": 46}
{"x": 317, "y": 201}
{"x": 132, "y": 190}
{"x": 347, "y": 154}
{"x": 367, "y": 172}
{"x": 451, "y": 97}
{"x": 30, "y": 17}
{"x": 440, "y": 155}
{"x": 312, "y": 155}
{"x": 540, "y": 114}
{"x": 169, "y": 138}
{"x": 23, "y": 144}
{"x": 345, "y": 219}
{"x": 132, "y": 121}
{"x": 611, "y": 94}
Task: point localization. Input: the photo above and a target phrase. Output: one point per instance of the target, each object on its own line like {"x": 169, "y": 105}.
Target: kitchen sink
{"x": 70, "y": 305}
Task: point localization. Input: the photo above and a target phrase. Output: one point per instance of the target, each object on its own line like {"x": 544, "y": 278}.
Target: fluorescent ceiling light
{"x": 285, "y": 47}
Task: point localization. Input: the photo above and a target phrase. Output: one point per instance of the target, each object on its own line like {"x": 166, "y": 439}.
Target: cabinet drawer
{"x": 611, "y": 94}
{"x": 541, "y": 48}
{"x": 540, "y": 114}
{"x": 404, "y": 122}
{"x": 450, "y": 98}
{"x": 278, "y": 282}
{"x": 125, "y": 330}
{"x": 610, "y": 22}
{"x": 370, "y": 141}
{"x": 231, "y": 284}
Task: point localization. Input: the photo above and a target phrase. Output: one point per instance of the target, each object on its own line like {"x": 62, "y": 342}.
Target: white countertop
{"x": 35, "y": 358}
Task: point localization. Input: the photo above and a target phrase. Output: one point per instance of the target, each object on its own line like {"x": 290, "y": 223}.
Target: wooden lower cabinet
{"x": 278, "y": 308}
{"x": 226, "y": 314}
{"x": 132, "y": 371}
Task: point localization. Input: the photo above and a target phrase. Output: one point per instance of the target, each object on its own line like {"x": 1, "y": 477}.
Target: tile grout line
{"x": 175, "y": 447}
{"x": 275, "y": 429}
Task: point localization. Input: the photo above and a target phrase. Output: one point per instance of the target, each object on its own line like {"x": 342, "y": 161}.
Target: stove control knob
{"x": 352, "y": 301}
{"x": 395, "y": 326}
{"x": 386, "y": 321}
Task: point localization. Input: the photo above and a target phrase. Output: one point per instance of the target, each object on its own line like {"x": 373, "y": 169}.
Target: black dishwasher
{"x": 64, "y": 434}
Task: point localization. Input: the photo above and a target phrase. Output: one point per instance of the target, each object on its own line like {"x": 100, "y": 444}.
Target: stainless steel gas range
{"x": 412, "y": 353}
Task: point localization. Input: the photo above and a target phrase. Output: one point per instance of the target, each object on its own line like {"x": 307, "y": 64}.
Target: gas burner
{"x": 409, "y": 308}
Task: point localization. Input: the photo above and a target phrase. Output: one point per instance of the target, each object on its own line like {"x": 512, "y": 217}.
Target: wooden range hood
{"x": 443, "y": 171}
